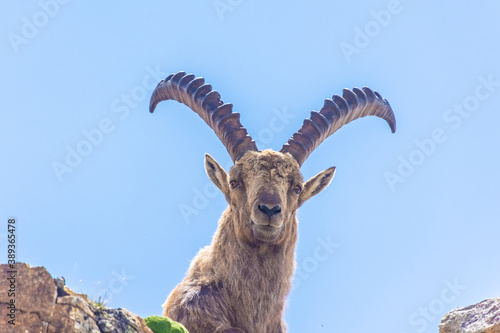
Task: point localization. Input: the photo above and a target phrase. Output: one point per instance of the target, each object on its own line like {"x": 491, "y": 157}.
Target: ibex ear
{"x": 316, "y": 184}
{"x": 217, "y": 174}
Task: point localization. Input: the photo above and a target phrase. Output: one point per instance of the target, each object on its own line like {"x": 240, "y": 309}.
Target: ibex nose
{"x": 270, "y": 211}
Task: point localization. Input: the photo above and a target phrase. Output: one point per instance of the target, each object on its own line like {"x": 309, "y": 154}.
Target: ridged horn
{"x": 207, "y": 103}
{"x": 336, "y": 113}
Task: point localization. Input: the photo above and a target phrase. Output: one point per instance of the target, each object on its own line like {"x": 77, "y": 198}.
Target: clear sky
{"x": 117, "y": 201}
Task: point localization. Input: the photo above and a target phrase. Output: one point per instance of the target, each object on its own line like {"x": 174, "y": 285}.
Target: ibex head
{"x": 265, "y": 188}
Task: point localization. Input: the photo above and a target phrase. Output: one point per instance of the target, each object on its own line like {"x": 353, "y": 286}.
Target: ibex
{"x": 239, "y": 283}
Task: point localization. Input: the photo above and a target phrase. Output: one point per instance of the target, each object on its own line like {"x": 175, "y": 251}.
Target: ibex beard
{"x": 239, "y": 282}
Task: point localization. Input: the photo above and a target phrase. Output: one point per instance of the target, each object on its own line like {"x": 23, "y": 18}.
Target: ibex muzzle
{"x": 267, "y": 217}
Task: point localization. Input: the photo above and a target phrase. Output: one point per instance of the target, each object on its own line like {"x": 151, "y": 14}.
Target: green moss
{"x": 99, "y": 305}
{"x": 164, "y": 325}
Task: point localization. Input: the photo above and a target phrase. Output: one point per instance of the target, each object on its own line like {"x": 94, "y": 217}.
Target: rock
{"x": 483, "y": 317}
{"x": 44, "y": 304}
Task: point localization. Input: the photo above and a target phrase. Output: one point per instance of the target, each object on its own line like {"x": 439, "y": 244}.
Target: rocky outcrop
{"x": 483, "y": 317}
{"x": 35, "y": 302}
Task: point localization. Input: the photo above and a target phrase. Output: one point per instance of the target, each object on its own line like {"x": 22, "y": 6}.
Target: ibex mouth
{"x": 265, "y": 232}
{"x": 266, "y": 226}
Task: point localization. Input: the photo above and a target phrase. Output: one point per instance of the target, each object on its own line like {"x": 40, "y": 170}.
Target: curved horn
{"x": 335, "y": 113}
{"x": 207, "y": 104}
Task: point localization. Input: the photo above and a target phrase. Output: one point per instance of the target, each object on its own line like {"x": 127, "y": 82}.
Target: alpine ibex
{"x": 239, "y": 283}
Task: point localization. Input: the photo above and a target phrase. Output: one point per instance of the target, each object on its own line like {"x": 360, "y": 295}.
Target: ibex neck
{"x": 264, "y": 269}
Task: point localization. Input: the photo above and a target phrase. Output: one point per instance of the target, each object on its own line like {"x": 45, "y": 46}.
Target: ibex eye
{"x": 297, "y": 189}
{"x": 234, "y": 183}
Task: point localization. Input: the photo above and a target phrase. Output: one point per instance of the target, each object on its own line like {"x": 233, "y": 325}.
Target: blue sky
{"x": 408, "y": 229}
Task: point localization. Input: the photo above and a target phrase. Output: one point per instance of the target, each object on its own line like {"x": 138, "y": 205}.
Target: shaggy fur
{"x": 240, "y": 282}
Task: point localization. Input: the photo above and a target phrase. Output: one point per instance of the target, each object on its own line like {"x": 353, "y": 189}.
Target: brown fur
{"x": 242, "y": 279}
